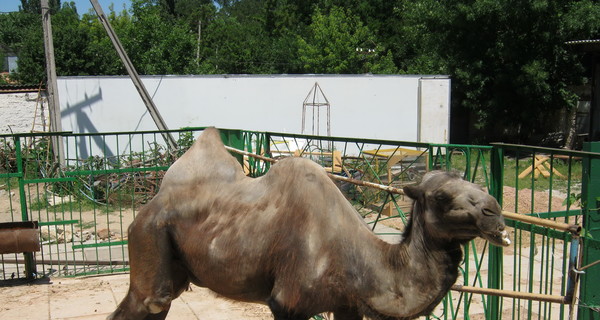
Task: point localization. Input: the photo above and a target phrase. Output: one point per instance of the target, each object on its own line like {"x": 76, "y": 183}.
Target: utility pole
{"x": 51, "y": 85}
{"x": 137, "y": 82}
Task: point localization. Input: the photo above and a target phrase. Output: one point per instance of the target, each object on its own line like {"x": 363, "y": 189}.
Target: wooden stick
{"x": 536, "y": 163}
{"x": 565, "y": 227}
{"x": 332, "y": 176}
{"x": 556, "y": 172}
{"x": 367, "y": 184}
{"x": 511, "y": 294}
{"x": 249, "y": 154}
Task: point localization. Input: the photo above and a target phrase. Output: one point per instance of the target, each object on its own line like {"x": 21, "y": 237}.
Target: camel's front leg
{"x": 156, "y": 276}
{"x": 281, "y": 313}
{"x": 131, "y": 309}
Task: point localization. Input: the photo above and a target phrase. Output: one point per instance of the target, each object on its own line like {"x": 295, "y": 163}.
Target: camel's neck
{"x": 421, "y": 270}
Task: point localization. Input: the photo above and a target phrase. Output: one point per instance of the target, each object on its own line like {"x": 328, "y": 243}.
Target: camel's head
{"x": 455, "y": 209}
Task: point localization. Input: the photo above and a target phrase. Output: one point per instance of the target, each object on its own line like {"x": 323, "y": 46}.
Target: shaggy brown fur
{"x": 292, "y": 241}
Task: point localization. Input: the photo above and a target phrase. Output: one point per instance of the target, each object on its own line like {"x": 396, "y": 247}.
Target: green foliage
{"x": 508, "y": 60}
{"x": 184, "y": 142}
{"x": 510, "y": 68}
{"x": 34, "y": 6}
{"x": 338, "y": 42}
{"x": 8, "y": 157}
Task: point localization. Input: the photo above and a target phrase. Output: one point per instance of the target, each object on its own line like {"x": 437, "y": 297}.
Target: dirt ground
{"x": 96, "y": 297}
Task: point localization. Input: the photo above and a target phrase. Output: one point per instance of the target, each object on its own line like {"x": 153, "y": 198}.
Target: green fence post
{"x": 589, "y": 291}
{"x": 234, "y": 139}
{"x": 30, "y": 268}
{"x": 494, "y": 309}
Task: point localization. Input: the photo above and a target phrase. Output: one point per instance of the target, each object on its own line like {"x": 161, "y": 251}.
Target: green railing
{"x": 85, "y": 204}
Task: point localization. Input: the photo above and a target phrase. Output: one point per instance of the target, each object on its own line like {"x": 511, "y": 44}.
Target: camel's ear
{"x": 413, "y": 191}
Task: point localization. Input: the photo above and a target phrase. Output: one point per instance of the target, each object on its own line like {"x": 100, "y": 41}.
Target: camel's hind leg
{"x": 156, "y": 275}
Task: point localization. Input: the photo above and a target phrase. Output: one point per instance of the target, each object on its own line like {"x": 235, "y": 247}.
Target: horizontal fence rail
{"x": 84, "y": 208}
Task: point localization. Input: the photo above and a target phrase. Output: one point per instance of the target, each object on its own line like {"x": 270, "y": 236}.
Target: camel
{"x": 291, "y": 240}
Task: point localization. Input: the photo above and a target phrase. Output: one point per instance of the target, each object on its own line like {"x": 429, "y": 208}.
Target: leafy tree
{"x": 157, "y": 45}
{"x": 338, "y": 42}
{"x": 34, "y": 6}
{"x": 32, "y": 63}
{"x": 508, "y": 61}
{"x": 102, "y": 58}
{"x": 70, "y": 37}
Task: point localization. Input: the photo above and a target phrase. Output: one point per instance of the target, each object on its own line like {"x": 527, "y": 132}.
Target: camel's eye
{"x": 442, "y": 197}
{"x": 488, "y": 212}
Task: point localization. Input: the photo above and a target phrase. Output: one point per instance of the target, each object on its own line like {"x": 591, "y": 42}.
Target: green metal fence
{"x": 85, "y": 204}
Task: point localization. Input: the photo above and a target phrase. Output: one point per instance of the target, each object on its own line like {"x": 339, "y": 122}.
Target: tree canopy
{"x": 509, "y": 65}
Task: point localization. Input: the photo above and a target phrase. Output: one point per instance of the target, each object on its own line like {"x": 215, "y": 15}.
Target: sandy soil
{"x": 96, "y": 297}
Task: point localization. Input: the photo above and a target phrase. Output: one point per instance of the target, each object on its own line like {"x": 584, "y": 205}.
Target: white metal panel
{"x": 362, "y": 106}
{"x": 434, "y": 116}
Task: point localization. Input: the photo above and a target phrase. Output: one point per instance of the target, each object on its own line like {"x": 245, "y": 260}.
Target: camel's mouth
{"x": 499, "y": 238}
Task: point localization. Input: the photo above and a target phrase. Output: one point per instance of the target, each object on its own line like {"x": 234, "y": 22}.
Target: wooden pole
{"x": 137, "y": 82}
{"x": 52, "y": 86}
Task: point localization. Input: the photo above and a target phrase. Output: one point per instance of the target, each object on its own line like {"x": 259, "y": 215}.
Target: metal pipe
{"x": 573, "y": 272}
{"x": 19, "y": 237}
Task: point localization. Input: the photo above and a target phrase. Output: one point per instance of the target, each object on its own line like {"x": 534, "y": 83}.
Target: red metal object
{"x": 19, "y": 237}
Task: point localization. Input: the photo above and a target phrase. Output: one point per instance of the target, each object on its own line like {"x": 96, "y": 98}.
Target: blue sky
{"x": 82, "y": 5}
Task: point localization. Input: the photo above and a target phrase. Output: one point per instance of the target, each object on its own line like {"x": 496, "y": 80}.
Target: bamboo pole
{"x": 332, "y": 176}
{"x": 565, "y": 227}
{"x": 511, "y": 294}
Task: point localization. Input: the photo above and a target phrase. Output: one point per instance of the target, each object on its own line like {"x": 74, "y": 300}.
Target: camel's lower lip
{"x": 498, "y": 238}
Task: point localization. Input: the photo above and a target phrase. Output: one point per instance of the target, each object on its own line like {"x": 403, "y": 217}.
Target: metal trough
{"x": 19, "y": 237}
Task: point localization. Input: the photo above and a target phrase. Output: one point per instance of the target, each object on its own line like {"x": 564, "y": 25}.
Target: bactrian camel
{"x": 291, "y": 240}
